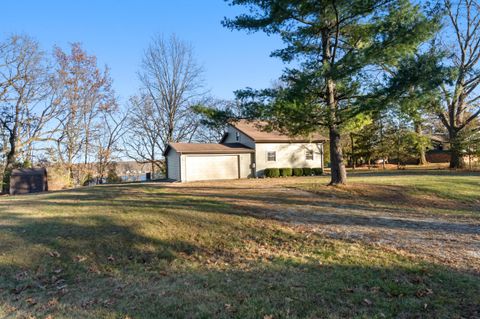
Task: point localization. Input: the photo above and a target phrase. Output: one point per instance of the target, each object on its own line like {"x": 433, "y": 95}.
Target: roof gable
{"x": 256, "y": 130}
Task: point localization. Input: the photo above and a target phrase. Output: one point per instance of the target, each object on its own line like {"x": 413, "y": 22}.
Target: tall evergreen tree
{"x": 414, "y": 89}
{"x": 336, "y": 45}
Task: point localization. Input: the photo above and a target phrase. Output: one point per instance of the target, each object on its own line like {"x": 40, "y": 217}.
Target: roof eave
{"x": 219, "y": 152}
{"x": 291, "y": 141}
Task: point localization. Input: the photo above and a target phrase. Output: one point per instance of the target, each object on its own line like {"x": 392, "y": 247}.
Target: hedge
{"x": 307, "y": 171}
{"x": 285, "y": 172}
{"x": 297, "y": 171}
{"x": 272, "y": 172}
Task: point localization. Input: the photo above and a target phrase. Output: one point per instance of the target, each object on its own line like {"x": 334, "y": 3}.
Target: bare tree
{"x": 173, "y": 80}
{"x": 171, "y": 84}
{"x": 143, "y": 142}
{"x": 25, "y": 109}
{"x": 462, "y": 98}
{"x": 112, "y": 129}
{"x": 85, "y": 93}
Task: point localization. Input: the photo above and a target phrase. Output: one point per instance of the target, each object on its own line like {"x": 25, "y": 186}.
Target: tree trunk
{"x": 70, "y": 173}
{"x": 354, "y": 160}
{"x": 422, "y": 158}
{"x": 398, "y": 152}
{"x": 8, "y": 167}
{"x": 12, "y": 154}
{"x": 456, "y": 158}
{"x": 338, "y": 172}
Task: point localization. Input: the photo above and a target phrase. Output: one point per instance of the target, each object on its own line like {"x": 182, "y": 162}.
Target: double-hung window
{"x": 271, "y": 156}
{"x": 309, "y": 155}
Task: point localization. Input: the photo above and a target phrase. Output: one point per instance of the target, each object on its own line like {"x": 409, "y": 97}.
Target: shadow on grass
{"x": 413, "y": 172}
{"x": 94, "y": 267}
{"x": 330, "y": 206}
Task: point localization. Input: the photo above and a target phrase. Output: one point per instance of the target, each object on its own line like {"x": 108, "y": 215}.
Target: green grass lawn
{"x": 461, "y": 186}
{"x": 459, "y": 191}
{"x": 150, "y": 250}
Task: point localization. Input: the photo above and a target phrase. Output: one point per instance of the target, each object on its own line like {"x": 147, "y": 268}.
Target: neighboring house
{"x": 244, "y": 151}
{"x": 439, "y": 150}
{"x": 133, "y": 171}
{"x": 439, "y": 142}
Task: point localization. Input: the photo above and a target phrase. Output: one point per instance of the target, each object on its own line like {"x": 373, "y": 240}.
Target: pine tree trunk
{"x": 338, "y": 172}
{"x": 354, "y": 160}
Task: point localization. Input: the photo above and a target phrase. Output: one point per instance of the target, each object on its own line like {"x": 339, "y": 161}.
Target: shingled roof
{"x": 256, "y": 130}
{"x": 208, "y": 148}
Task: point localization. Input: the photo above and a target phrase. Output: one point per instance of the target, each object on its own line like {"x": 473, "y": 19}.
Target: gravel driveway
{"x": 420, "y": 226}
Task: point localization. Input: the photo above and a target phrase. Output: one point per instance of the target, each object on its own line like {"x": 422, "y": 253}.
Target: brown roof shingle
{"x": 256, "y": 131}
{"x": 207, "y": 148}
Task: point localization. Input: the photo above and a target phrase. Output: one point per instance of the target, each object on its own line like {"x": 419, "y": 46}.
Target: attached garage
{"x": 211, "y": 167}
{"x": 188, "y": 162}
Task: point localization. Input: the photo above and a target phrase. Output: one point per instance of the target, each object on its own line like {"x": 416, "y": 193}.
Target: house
{"x": 439, "y": 149}
{"x": 245, "y": 151}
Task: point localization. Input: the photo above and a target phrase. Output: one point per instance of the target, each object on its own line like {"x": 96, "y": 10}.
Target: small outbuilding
{"x": 28, "y": 180}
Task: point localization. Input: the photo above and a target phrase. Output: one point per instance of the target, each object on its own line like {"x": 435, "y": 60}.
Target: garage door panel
{"x": 199, "y": 168}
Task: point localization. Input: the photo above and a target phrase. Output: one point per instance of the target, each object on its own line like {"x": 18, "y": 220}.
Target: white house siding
{"x": 287, "y": 155}
{"x": 232, "y": 137}
{"x": 183, "y": 176}
{"x": 245, "y": 165}
{"x": 173, "y": 165}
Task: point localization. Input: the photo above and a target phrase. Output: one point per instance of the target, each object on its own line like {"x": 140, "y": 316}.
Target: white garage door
{"x": 209, "y": 167}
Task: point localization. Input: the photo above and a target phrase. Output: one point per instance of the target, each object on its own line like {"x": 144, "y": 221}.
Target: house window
{"x": 309, "y": 155}
{"x": 237, "y": 136}
{"x": 271, "y": 156}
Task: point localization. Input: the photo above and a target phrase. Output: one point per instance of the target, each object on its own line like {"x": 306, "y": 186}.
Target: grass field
{"x": 246, "y": 249}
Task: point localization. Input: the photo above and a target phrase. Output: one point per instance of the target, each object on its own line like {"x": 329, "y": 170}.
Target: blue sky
{"x": 117, "y": 32}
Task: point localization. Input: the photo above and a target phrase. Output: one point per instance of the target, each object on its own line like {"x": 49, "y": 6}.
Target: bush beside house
{"x": 286, "y": 172}
{"x": 272, "y": 172}
{"x": 307, "y": 171}
{"x": 298, "y": 172}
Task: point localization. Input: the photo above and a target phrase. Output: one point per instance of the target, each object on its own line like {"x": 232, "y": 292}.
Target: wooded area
{"x": 61, "y": 111}
{"x": 385, "y": 80}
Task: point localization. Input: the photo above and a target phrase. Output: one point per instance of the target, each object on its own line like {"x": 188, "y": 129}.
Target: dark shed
{"x": 28, "y": 180}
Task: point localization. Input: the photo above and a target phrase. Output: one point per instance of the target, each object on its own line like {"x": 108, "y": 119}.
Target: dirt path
{"x": 409, "y": 226}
